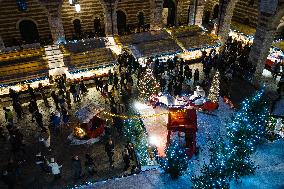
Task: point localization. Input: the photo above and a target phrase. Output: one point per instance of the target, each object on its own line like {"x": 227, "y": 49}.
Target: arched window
{"x": 170, "y": 5}
{"x": 121, "y": 22}
{"x": 29, "y": 32}
{"x": 22, "y": 5}
{"x": 97, "y": 26}
{"x": 215, "y": 12}
{"x": 141, "y": 19}
{"x": 77, "y": 26}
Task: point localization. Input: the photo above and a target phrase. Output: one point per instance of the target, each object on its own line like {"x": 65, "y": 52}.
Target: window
{"x": 22, "y": 5}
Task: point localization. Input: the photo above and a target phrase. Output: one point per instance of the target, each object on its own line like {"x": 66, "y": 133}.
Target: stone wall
{"x": 132, "y": 7}
{"x": 183, "y": 12}
{"x": 89, "y": 10}
{"x": 245, "y": 11}
{"x": 10, "y": 17}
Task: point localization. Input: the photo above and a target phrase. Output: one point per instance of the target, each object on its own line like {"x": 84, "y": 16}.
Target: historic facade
{"x": 54, "y": 21}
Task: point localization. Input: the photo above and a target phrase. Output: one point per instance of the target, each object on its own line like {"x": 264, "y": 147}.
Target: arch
{"x": 215, "y": 12}
{"x": 206, "y": 17}
{"x": 141, "y": 19}
{"x": 98, "y": 29}
{"x": 171, "y": 5}
{"x": 29, "y": 31}
{"x": 121, "y": 22}
{"x": 25, "y": 18}
{"x": 77, "y": 27}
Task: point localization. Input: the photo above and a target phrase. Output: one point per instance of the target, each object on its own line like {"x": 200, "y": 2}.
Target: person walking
{"x": 76, "y": 167}
{"x": 109, "y": 149}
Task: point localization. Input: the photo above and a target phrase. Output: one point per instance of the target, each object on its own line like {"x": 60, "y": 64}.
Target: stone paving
{"x": 30, "y": 175}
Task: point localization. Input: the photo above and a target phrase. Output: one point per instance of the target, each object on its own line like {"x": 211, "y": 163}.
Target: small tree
{"x": 148, "y": 85}
{"x": 215, "y": 88}
{"x": 176, "y": 161}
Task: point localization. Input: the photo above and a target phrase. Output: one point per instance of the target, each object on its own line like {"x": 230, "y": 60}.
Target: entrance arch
{"x": 77, "y": 27}
{"x": 29, "y": 32}
{"x": 215, "y": 12}
{"x": 171, "y": 6}
{"x": 98, "y": 26}
{"x": 121, "y": 22}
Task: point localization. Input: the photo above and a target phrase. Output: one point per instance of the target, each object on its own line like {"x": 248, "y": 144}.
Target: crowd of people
{"x": 173, "y": 75}
{"x": 64, "y": 93}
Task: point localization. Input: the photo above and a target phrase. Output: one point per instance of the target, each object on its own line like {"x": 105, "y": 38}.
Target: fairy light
{"x": 215, "y": 88}
{"x": 230, "y": 158}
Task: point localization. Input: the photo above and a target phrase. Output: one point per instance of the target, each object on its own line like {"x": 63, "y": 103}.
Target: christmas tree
{"x": 176, "y": 161}
{"x": 245, "y": 132}
{"x": 215, "y": 88}
{"x": 231, "y": 159}
{"x": 148, "y": 85}
{"x": 214, "y": 175}
{"x": 135, "y": 132}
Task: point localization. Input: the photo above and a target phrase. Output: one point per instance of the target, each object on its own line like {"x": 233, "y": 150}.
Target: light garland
{"x": 140, "y": 117}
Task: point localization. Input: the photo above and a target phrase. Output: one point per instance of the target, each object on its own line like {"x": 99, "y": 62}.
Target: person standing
{"x": 55, "y": 168}
{"x": 126, "y": 159}
{"x": 8, "y": 115}
{"x": 109, "y": 149}
{"x": 89, "y": 163}
{"x": 76, "y": 167}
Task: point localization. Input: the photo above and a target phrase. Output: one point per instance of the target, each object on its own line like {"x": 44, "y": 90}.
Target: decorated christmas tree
{"x": 176, "y": 161}
{"x": 230, "y": 159}
{"x": 148, "y": 85}
{"x": 135, "y": 132}
{"x": 245, "y": 132}
{"x": 215, "y": 88}
{"x": 214, "y": 174}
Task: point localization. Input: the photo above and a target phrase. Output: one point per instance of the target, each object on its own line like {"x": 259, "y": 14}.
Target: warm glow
{"x": 77, "y": 7}
{"x": 140, "y": 106}
{"x": 79, "y": 132}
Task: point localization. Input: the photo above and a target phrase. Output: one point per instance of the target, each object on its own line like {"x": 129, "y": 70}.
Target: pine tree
{"x": 148, "y": 85}
{"x": 176, "y": 161}
{"x": 215, "y": 88}
{"x": 230, "y": 159}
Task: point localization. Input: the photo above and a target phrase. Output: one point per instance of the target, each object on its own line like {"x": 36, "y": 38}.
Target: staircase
{"x": 55, "y": 61}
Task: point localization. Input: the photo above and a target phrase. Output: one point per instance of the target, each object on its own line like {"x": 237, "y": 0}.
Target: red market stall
{"x": 91, "y": 125}
{"x": 185, "y": 121}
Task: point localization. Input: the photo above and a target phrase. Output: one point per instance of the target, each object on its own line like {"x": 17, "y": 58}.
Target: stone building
{"x": 54, "y": 21}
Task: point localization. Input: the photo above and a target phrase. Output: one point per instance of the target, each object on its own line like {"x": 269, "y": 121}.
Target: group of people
{"x": 116, "y": 89}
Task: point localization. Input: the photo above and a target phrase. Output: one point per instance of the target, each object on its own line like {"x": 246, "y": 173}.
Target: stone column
{"x": 56, "y": 27}
{"x": 110, "y": 19}
{"x": 156, "y": 16}
{"x": 2, "y": 46}
{"x": 199, "y": 15}
{"x": 260, "y": 49}
{"x": 226, "y": 14}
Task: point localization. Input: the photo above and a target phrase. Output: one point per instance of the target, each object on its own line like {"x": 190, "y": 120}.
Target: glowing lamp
{"x": 153, "y": 140}
{"x": 77, "y": 7}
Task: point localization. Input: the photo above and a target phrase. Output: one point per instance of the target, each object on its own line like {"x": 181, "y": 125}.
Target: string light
{"x": 215, "y": 88}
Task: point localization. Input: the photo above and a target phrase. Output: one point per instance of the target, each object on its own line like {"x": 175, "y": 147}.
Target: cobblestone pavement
{"x": 31, "y": 177}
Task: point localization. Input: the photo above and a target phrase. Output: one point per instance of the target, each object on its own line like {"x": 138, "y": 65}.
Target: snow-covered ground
{"x": 269, "y": 157}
